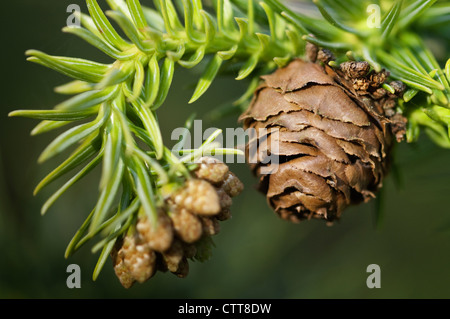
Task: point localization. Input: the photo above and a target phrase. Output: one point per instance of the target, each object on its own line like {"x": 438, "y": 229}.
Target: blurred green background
{"x": 257, "y": 255}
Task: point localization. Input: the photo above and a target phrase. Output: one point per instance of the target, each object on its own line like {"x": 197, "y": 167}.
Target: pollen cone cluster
{"x": 331, "y": 130}
{"x": 183, "y": 230}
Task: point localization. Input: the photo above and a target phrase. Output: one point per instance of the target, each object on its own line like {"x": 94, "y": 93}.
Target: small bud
{"x": 379, "y": 93}
{"x": 158, "y": 237}
{"x": 190, "y": 250}
{"x": 173, "y": 256}
{"x": 187, "y": 225}
{"x": 213, "y": 172}
{"x": 389, "y": 104}
{"x": 355, "y": 69}
{"x": 325, "y": 56}
{"x": 139, "y": 259}
{"x": 198, "y": 196}
{"x": 142, "y": 265}
{"x": 225, "y": 214}
{"x": 134, "y": 261}
{"x": 399, "y": 87}
{"x": 211, "y": 225}
{"x": 361, "y": 84}
{"x": 121, "y": 270}
{"x": 123, "y": 273}
{"x": 377, "y": 79}
{"x": 399, "y": 126}
{"x": 232, "y": 185}
{"x": 224, "y": 199}
{"x": 183, "y": 268}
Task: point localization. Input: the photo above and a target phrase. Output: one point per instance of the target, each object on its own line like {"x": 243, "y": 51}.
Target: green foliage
{"x": 117, "y": 102}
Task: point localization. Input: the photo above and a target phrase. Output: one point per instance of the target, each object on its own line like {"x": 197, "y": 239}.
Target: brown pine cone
{"x": 332, "y": 138}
